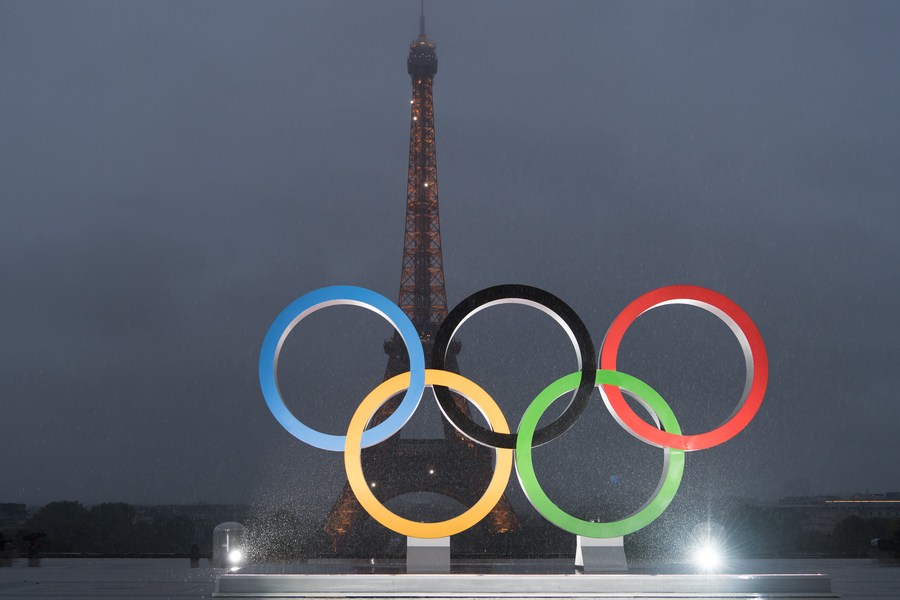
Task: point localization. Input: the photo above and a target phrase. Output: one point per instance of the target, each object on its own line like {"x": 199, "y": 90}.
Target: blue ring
{"x": 310, "y": 303}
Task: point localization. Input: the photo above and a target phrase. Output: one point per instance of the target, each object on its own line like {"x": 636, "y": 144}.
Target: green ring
{"x": 668, "y": 484}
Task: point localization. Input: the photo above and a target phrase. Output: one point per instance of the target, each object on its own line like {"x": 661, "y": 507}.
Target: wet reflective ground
{"x": 74, "y": 578}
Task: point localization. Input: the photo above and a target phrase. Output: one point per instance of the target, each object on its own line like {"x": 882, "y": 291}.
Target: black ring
{"x": 549, "y": 304}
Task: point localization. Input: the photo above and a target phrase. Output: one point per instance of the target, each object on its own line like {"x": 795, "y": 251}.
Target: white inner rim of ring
{"x": 524, "y": 302}
{"x": 735, "y": 329}
{"x": 303, "y": 315}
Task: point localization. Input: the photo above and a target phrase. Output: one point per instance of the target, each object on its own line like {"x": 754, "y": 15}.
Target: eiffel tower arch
{"x": 451, "y": 465}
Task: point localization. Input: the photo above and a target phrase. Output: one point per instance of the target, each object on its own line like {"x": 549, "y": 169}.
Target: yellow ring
{"x": 353, "y": 450}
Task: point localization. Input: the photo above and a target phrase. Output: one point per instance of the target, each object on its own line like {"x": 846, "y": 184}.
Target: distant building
{"x": 822, "y": 513}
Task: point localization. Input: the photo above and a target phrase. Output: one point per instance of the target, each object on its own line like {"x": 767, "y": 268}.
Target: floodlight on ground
{"x": 708, "y": 557}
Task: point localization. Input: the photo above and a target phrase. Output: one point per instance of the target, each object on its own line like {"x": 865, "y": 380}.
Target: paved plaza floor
{"x": 82, "y": 578}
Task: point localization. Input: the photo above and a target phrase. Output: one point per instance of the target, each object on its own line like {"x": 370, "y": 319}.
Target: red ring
{"x": 742, "y": 327}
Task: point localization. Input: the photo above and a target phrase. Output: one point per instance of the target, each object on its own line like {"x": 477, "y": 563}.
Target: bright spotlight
{"x": 708, "y": 557}
{"x": 235, "y": 556}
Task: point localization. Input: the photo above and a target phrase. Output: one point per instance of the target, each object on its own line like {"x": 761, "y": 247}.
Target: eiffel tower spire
{"x": 422, "y": 37}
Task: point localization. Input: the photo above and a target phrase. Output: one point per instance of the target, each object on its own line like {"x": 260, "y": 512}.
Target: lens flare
{"x": 708, "y": 557}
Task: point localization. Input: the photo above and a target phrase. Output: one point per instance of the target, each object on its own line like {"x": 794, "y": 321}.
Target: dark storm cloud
{"x": 175, "y": 173}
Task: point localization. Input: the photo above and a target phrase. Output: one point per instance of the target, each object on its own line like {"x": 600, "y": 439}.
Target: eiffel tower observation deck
{"x": 451, "y": 465}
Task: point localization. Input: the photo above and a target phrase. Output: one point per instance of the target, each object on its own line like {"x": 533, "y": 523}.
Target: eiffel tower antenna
{"x": 422, "y": 37}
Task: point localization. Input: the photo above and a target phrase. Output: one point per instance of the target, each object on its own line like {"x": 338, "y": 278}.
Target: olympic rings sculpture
{"x": 517, "y": 447}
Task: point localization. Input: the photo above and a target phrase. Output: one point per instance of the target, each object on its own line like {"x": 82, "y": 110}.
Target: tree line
{"x": 119, "y": 529}
{"x": 111, "y": 528}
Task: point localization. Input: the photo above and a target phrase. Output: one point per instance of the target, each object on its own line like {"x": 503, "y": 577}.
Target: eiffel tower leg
{"x": 344, "y": 518}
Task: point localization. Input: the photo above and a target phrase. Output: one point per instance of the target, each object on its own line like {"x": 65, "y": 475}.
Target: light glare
{"x": 708, "y": 557}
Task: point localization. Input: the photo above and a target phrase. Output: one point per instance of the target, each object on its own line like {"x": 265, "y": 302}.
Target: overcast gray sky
{"x": 175, "y": 173}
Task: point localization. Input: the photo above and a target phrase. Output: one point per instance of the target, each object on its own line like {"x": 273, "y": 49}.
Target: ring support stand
{"x": 427, "y": 555}
{"x": 600, "y": 555}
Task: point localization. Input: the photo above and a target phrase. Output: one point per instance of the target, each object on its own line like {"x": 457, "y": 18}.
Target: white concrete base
{"x": 427, "y": 555}
{"x": 733, "y": 587}
{"x": 600, "y": 555}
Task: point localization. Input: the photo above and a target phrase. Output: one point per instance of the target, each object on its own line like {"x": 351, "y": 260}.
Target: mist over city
{"x": 175, "y": 174}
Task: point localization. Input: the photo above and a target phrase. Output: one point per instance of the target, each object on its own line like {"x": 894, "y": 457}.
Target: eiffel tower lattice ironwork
{"x": 452, "y": 465}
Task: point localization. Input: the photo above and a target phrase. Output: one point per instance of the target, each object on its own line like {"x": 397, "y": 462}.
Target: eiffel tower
{"x": 452, "y": 465}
